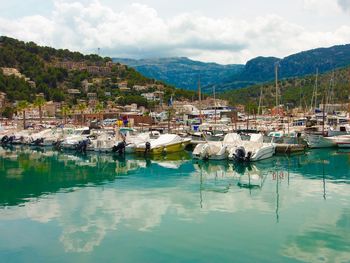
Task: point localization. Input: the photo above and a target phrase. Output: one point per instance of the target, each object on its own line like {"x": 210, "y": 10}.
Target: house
{"x": 140, "y": 88}
{"x": 73, "y": 91}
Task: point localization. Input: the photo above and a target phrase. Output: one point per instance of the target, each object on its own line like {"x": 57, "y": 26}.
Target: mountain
{"x": 295, "y": 91}
{"x": 182, "y": 72}
{"x": 261, "y": 69}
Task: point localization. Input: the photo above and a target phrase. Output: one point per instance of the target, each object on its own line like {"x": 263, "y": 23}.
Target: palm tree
{"x": 39, "y": 102}
{"x": 22, "y": 106}
{"x": 98, "y": 108}
{"x": 82, "y": 107}
{"x": 65, "y": 110}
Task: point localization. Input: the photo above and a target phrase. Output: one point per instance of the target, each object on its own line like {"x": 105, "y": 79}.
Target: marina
{"x": 97, "y": 207}
{"x": 196, "y": 132}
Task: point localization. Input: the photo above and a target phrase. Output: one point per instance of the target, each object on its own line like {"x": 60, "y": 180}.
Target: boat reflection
{"x": 83, "y": 196}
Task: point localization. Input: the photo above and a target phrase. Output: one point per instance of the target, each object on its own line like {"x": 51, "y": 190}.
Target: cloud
{"x": 322, "y": 7}
{"x": 344, "y": 5}
{"x": 139, "y": 31}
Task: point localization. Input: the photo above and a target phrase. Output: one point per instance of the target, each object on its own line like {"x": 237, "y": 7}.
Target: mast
{"x": 316, "y": 84}
{"x": 200, "y": 98}
{"x": 276, "y": 83}
{"x": 313, "y": 104}
{"x": 214, "y": 105}
{"x": 260, "y": 100}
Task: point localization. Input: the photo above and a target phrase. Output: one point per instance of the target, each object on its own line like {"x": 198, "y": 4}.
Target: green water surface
{"x": 64, "y": 207}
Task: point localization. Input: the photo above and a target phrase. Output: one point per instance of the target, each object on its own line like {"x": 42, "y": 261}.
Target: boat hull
{"x": 319, "y": 141}
{"x": 164, "y": 149}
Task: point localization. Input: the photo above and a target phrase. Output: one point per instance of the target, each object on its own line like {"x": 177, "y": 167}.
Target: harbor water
{"x": 65, "y": 207}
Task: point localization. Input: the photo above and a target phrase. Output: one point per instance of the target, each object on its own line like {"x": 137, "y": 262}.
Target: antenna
{"x": 98, "y": 51}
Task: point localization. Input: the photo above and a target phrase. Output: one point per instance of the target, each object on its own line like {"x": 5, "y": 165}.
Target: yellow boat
{"x": 165, "y": 143}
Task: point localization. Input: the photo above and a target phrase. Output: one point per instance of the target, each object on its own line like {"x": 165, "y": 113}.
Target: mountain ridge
{"x": 183, "y": 72}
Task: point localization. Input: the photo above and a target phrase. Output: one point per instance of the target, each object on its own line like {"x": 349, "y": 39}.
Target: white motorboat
{"x": 129, "y": 138}
{"x": 324, "y": 138}
{"x": 103, "y": 143}
{"x": 214, "y": 150}
{"x": 21, "y": 137}
{"x": 342, "y": 141}
{"x": 254, "y": 149}
{"x": 165, "y": 143}
{"x": 72, "y": 141}
{"x": 318, "y": 140}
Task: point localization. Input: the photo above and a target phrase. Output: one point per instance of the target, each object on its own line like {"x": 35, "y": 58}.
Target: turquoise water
{"x": 60, "y": 207}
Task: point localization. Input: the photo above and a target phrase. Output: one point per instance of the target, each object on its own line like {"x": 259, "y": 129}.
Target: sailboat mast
{"x": 276, "y": 82}
{"x": 200, "y": 98}
{"x": 214, "y": 105}
{"x": 316, "y": 86}
{"x": 260, "y": 100}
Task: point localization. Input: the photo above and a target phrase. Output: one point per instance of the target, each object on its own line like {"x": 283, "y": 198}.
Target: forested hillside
{"x": 296, "y": 92}
{"x": 54, "y": 71}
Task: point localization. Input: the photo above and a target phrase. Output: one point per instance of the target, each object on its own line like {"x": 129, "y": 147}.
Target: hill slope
{"x": 261, "y": 69}
{"x": 296, "y": 91}
{"x": 54, "y": 72}
{"x": 182, "y": 72}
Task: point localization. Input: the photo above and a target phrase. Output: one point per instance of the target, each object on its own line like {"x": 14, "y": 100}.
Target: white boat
{"x": 129, "y": 138}
{"x": 254, "y": 149}
{"x": 56, "y": 136}
{"x": 323, "y": 137}
{"x": 104, "y": 142}
{"x": 315, "y": 140}
{"x": 72, "y": 141}
{"x": 213, "y": 150}
{"x": 21, "y": 137}
{"x": 165, "y": 143}
{"x": 342, "y": 141}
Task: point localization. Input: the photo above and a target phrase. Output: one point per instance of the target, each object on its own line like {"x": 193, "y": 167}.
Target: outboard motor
{"x": 4, "y": 140}
{"x": 119, "y": 148}
{"x": 57, "y": 144}
{"x": 38, "y": 142}
{"x": 82, "y": 145}
{"x": 240, "y": 154}
{"x": 148, "y": 147}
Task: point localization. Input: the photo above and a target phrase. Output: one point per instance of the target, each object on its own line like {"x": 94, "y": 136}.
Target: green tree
{"x": 99, "y": 108}
{"x": 65, "y": 110}
{"x": 22, "y": 106}
{"x": 8, "y": 112}
{"x": 81, "y": 107}
{"x": 40, "y": 102}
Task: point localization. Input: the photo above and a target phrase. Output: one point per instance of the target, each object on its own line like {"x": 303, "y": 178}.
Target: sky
{"x": 222, "y": 31}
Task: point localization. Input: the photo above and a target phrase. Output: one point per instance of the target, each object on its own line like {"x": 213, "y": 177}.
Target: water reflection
{"x": 89, "y": 196}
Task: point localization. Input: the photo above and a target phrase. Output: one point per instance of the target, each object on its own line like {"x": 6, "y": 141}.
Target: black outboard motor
{"x": 4, "y": 140}
{"x": 38, "y": 142}
{"x": 119, "y": 148}
{"x": 82, "y": 145}
{"x": 57, "y": 144}
{"x": 241, "y": 155}
{"x": 148, "y": 147}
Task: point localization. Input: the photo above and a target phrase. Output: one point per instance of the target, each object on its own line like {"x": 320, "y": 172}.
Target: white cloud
{"x": 139, "y": 31}
{"x": 345, "y": 5}
{"x": 323, "y": 7}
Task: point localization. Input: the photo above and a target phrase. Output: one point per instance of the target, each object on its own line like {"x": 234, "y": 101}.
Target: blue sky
{"x": 223, "y": 31}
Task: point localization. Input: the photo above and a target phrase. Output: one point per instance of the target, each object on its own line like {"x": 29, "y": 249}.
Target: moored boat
{"x": 165, "y": 143}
